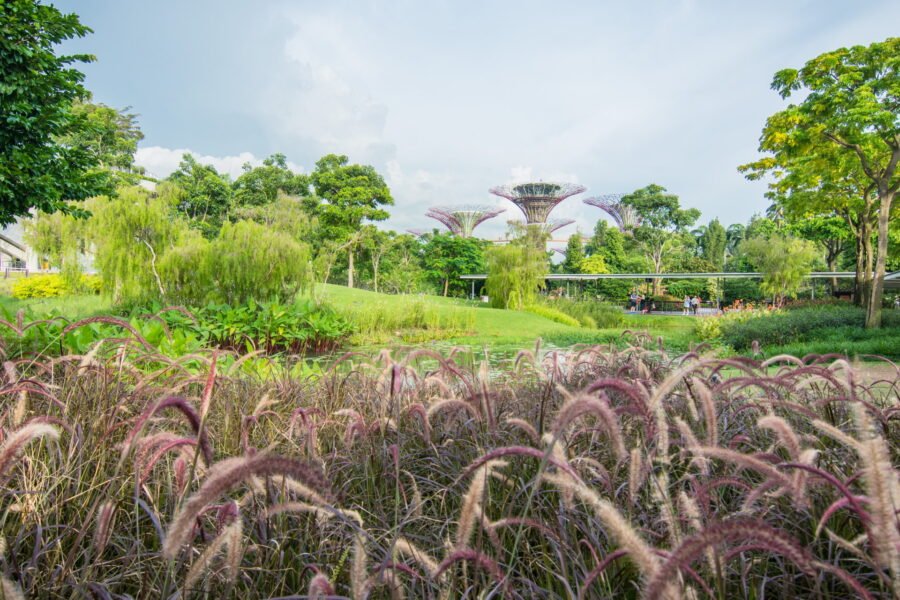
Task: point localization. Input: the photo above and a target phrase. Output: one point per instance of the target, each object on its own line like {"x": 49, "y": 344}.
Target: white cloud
{"x": 161, "y": 162}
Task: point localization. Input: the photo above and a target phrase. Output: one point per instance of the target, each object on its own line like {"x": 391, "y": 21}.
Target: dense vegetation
{"x": 594, "y": 473}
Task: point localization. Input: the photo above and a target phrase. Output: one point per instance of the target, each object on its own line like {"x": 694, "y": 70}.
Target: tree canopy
{"x": 38, "y": 168}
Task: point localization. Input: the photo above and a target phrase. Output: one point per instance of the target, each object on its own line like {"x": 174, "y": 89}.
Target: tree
{"x": 515, "y": 273}
{"x": 258, "y": 186}
{"x": 713, "y": 243}
{"x": 783, "y": 261}
{"x": 831, "y": 232}
{"x": 848, "y": 117}
{"x": 447, "y": 256}
{"x": 377, "y": 243}
{"x": 351, "y": 194}
{"x": 595, "y": 263}
{"x": 609, "y": 243}
{"x": 130, "y": 233}
{"x": 574, "y": 254}
{"x": 110, "y": 137}
{"x": 38, "y": 169}
{"x": 207, "y": 195}
{"x": 661, "y": 217}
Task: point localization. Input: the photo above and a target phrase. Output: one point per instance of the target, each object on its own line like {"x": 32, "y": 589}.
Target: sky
{"x": 449, "y": 98}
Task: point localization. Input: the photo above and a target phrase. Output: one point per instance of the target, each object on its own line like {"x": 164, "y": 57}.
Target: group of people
{"x": 691, "y": 305}
{"x": 640, "y": 303}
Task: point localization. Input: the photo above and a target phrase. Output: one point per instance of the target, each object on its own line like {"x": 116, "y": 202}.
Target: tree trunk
{"x": 350, "y": 267}
{"x": 375, "y": 273}
{"x": 860, "y": 267}
{"x": 867, "y": 266}
{"x": 873, "y": 311}
{"x": 446, "y": 285}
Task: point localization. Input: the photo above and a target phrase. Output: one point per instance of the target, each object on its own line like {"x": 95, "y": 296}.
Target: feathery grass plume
{"x": 556, "y": 451}
{"x": 585, "y": 405}
{"x": 525, "y": 426}
{"x": 883, "y": 490}
{"x": 319, "y": 587}
{"x": 229, "y": 539}
{"x": 10, "y": 590}
{"x": 659, "y": 490}
{"x": 691, "y": 445}
{"x": 406, "y": 548}
{"x": 785, "y": 433}
{"x": 709, "y": 411}
{"x": 690, "y": 510}
{"x": 836, "y": 434}
{"x": 105, "y": 519}
{"x": 359, "y": 568}
{"x": 185, "y": 408}
{"x": 635, "y": 474}
{"x": 746, "y": 461}
{"x": 471, "y": 510}
{"x": 416, "y": 504}
{"x": 228, "y": 474}
{"x": 321, "y": 514}
{"x": 662, "y": 434}
{"x": 616, "y": 525}
{"x": 452, "y": 404}
{"x": 742, "y": 530}
{"x": 14, "y": 445}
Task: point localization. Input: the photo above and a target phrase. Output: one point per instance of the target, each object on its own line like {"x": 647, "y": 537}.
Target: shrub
{"x": 553, "y": 314}
{"x": 603, "y": 315}
{"x": 708, "y": 328}
{"x": 739, "y": 330}
{"x": 408, "y": 317}
{"x": 52, "y": 286}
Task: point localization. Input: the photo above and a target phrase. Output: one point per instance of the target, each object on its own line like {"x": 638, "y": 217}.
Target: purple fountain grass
{"x": 590, "y": 405}
{"x": 15, "y": 443}
{"x": 227, "y": 475}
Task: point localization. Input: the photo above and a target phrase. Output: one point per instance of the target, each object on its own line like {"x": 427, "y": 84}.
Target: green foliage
{"x": 555, "y": 315}
{"x": 609, "y": 243}
{"x": 591, "y": 313}
{"x": 739, "y": 330}
{"x": 110, "y": 137}
{"x": 446, "y": 256}
{"x": 784, "y": 262}
{"x": 595, "y": 263}
{"x": 60, "y": 240}
{"x": 269, "y": 326}
{"x": 39, "y": 286}
{"x": 713, "y": 243}
{"x": 37, "y": 168}
{"x": 130, "y": 234}
{"x": 258, "y": 186}
{"x": 515, "y": 273}
{"x": 206, "y": 195}
{"x": 246, "y": 262}
{"x": 574, "y": 254}
{"x": 409, "y": 318}
{"x": 708, "y": 329}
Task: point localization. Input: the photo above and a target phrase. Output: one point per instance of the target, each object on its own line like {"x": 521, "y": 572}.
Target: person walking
{"x": 695, "y": 305}
{"x": 632, "y": 301}
{"x": 687, "y": 305}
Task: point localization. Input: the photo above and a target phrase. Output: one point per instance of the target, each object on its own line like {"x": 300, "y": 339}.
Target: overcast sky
{"x": 448, "y": 98}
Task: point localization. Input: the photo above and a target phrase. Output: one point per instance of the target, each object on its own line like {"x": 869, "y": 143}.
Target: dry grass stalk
{"x": 224, "y": 477}
{"x": 105, "y": 519}
{"x": 635, "y": 474}
{"x": 709, "y": 411}
{"x": 692, "y": 445}
{"x": 406, "y": 548}
{"x": 471, "y": 510}
{"x": 15, "y": 444}
{"x": 230, "y": 540}
{"x": 786, "y": 435}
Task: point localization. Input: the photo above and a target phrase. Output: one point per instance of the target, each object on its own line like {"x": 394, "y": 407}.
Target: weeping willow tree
{"x": 62, "y": 241}
{"x": 518, "y": 270}
{"x": 131, "y": 232}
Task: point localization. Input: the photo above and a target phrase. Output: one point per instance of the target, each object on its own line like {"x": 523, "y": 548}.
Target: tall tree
{"x": 574, "y": 254}
{"x": 784, "y": 262}
{"x": 713, "y": 243}
{"x": 447, "y": 256}
{"x": 207, "y": 195}
{"x": 661, "y": 218}
{"x": 261, "y": 185}
{"x": 37, "y": 89}
{"x": 110, "y": 137}
{"x": 850, "y": 105}
{"x": 351, "y": 195}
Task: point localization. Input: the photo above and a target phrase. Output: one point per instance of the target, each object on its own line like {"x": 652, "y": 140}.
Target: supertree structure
{"x": 554, "y": 225}
{"x": 462, "y": 220}
{"x": 559, "y": 250}
{"x": 537, "y": 199}
{"x": 626, "y": 217}
{"x": 417, "y": 232}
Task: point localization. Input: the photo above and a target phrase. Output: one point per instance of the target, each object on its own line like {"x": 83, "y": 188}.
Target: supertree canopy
{"x": 417, "y": 232}
{"x": 554, "y": 225}
{"x": 463, "y": 220}
{"x": 536, "y": 200}
{"x": 626, "y": 217}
